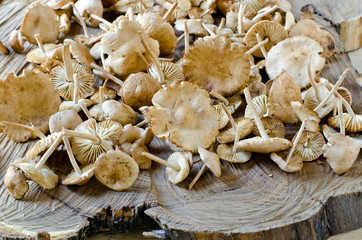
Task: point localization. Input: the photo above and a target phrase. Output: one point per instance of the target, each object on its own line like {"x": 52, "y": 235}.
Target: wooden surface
{"x": 254, "y": 200}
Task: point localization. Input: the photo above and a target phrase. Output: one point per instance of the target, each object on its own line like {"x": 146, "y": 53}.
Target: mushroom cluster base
{"x": 253, "y": 200}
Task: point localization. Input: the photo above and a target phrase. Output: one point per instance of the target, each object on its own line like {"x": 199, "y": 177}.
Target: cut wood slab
{"x": 255, "y": 200}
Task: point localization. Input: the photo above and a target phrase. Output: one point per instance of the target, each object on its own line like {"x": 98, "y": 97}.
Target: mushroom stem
{"x": 141, "y": 124}
{"x": 241, "y": 13}
{"x": 205, "y": 12}
{"x": 165, "y": 59}
{"x": 142, "y": 6}
{"x": 236, "y": 138}
{"x": 143, "y": 59}
{"x": 312, "y": 82}
{"x": 219, "y": 96}
{"x": 67, "y": 63}
{"x": 334, "y": 89}
{"x": 88, "y": 136}
{"x": 49, "y": 152}
{"x": 101, "y": 94}
{"x": 71, "y": 155}
{"x": 253, "y": 49}
{"x": 102, "y": 70}
{"x": 260, "y": 15}
{"x": 344, "y": 102}
{"x": 187, "y": 38}
{"x": 130, "y": 13}
{"x": 207, "y": 29}
{"x": 82, "y": 23}
{"x": 40, "y": 44}
{"x": 76, "y": 88}
{"x": 169, "y": 12}
{"x": 222, "y": 24}
{"x": 342, "y": 128}
{"x": 229, "y": 116}
{"x": 109, "y": 25}
{"x": 262, "y": 48}
{"x": 197, "y": 177}
{"x": 161, "y": 161}
{"x": 32, "y": 129}
{"x": 296, "y": 140}
{"x": 258, "y": 122}
{"x": 85, "y": 110}
{"x": 307, "y": 142}
{"x": 181, "y": 37}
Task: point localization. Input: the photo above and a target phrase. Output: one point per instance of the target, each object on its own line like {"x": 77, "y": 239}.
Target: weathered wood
{"x": 255, "y": 200}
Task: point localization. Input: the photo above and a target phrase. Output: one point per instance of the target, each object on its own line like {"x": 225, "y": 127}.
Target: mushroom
{"x": 80, "y": 53}
{"x": 172, "y": 72}
{"x": 114, "y": 110}
{"x": 177, "y": 166}
{"x": 226, "y": 152}
{"x": 295, "y": 162}
{"x": 309, "y": 147}
{"x": 15, "y": 182}
{"x": 260, "y": 106}
{"x": 16, "y": 41}
{"x": 38, "y": 55}
{"x": 263, "y": 144}
{"x": 116, "y": 170}
{"x": 328, "y": 132}
{"x": 64, "y": 24}
{"x": 273, "y": 127}
{"x": 136, "y": 5}
{"x": 232, "y": 103}
{"x": 68, "y": 119}
{"x": 182, "y": 112}
{"x": 227, "y": 135}
{"x": 193, "y": 26}
{"x": 29, "y": 98}
{"x": 291, "y": 55}
{"x": 130, "y": 134}
{"x": 238, "y": 12}
{"x": 139, "y": 147}
{"x": 257, "y": 89}
{"x": 108, "y": 94}
{"x": 87, "y": 8}
{"x": 304, "y": 113}
{"x": 211, "y": 160}
{"x": 3, "y": 49}
{"x": 223, "y": 117}
{"x": 15, "y": 131}
{"x": 42, "y": 145}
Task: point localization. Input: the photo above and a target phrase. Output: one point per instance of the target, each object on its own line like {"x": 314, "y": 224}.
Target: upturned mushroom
{"x": 309, "y": 147}
{"x": 260, "y": 106}
{"x": 16, "y": 182}
{"x": 273, "y": 127}
{"x": 244, "y": 126}
{"x": 305, "y": 113}
{"x": 87, "y": 8}
{"x": 226, "y": 152}
{"x": 80, "y": 52}
{"x": 172, "y": 72}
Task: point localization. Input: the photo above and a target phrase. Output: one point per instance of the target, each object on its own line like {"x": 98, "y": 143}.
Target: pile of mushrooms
{"x": 106, "y": 96}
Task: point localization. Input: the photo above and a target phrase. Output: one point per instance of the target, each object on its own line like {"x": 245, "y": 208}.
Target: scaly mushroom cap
{"x": 44, "y": 176}
{"x": 119, "y": 112}
{"x": 295, "y": 163}
{"x": 68, "y": 119}
{"x": 122, "y": 43}
{"x": 15, "y": 182}
{"x": 158, "y": 29}
{"x": 309, "y": 28}
{"x": 351, "y": 123}
{"x": 178, "y": 159}
{"x": 74, "y": 179}
{"x": 172, "y": 72}
{"x": 40, "y": 19}
{"x": 259, "y": 145}
{"x": 86, "y": 151}
{"x": 283, "y": 91}
{"x": 275, "y": 32}
{"x": 260, "y": 105}
{"x": 109, "y": 94}
{"x": 116, "y": 170}
{"x": 36, "y": 56}
{"x": 227, "y": 135}
{"x": 65, "y": 87}
{"x": 138, "y": 90}
{"x": 223, "y": 117}
{"x": 292, "y": 55}
{"x": 30, "y": 98}
{"x": 86, "y": 8}
{"x": 184, "y": 114}
{"x": 227, "y": 67}
{"x": 309, "y": 146}
{"x": 136, "y": 151}
{"x": 42, "y": 145}
{"x": 341, "y": 152}
{"x": 70, "y": 105}
{"x": 273, "y": 127}
{"x": 225, "y": 152}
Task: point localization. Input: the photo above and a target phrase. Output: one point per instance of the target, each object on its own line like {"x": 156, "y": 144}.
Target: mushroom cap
{"x": 225, "y": 152}
{"x": 44, "y": 176}
{"x": 65, "y": 87}
{"x": 309, "y": 146}
{"x": 234, "y": 102}
{"x": 119, "y": 112}
{"x": 29, "y": 98}
{"x": 86, "y": 151}
{"x": 328, "y": 132}
{"x": 80, "y": 53}
{"x": 309, "y": 28}
{"x": 295, "y": 163}
{"x": 193, "y": 25}
{"x": 227, "y": 135}
{"x": 59, "y": 3}
{"x": 16, "y": 41}
{"x": 68, "y": 119}
{"x": 147, "y": 136}
{"x": 172, "y": 72}
{"x": 116, "y": 170}
{"x": 178, "y": 159}
{"x": 184, "y": 114}
{"x": 223, "y": 117}
{"x": 42, "y": 145}
{"x": 305, "y": 113}
{"x": 259, "y": 145}
{"x": 15, "y": 182}
{"x": 123, "y": 5}
{"x": 232, "y": 15}
{"x": 40, "y": 19}
{"x": 215, "y": 63}
{"x": 138, "y": 90}
{"x": 346, "y": 94}
{"x": 224, "y": 6}
{"x": 273, "y": 127}
{"x": 292, "y": 55}
{"x": 275, "y": 32}
{"x": 351, "y": 123}
{"x": 86, "y": 8}
{"x": 257, "y": 89}
{"x": 74, "y": 179}
{"x": 97, "y": 112}
{"x": 341, "y": 152}
{"x": 130, "y": 134}
{"x": 109, "y": 94}
{"x": 92, "y": 39}
{"x": 211, "y": 160}
{"x": 36, "y": 55}
{"x": 69, "y": 105}
{"x": 152, "y": 115}
{"x": 283, "y": 91}
{"x": 260, "y": 105}
{"x": 311, "y": 101}
{"x": 138, "y": 147}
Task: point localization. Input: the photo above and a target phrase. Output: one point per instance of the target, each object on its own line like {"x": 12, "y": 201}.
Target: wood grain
{"x": 255, "y": 200}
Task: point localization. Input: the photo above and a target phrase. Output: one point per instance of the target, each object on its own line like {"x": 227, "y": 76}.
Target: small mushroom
{"x": 87, "y": 8}
{"x": 116, "y": 170}
{"x": 15, "y": 182}
{"x": 309, "y": 147}
{"x": 172, "y": 72}
{"x": 3, "y": 49}
{"x": 68, "y": 119}
{"x": 295, "y": 161}
{"x": 42, "y": 145}
{"x": 130, "y": 134}
{"x": 108, "y": 94}
{"x": 305, "y": 113}
{"x": 139, "y": 147}
{"x": 123, "y": 5}
{"x": 64, "y": 24}
{"x": 16, "y": 41}
{"x": 80, "y": 53}
{"x": 15, "y": 131}
{"x": 226, "y": 152}
{"x": 227, "y": 135}
{"x": 232, "y": 103}
{"x": 119, "y": 112}
{"x": 223, "y": 117}
{"x": 260, "y": 106}
{"x": 40, "y": 55}
{"x": 273, "y": 127}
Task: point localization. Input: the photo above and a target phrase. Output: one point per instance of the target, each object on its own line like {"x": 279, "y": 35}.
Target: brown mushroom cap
{"x": 130, "y": 134}
{"x": 227, "y": 67}
{"x": 309, "y": 146}
{"x": 119, "y": 112}
{"x": 178, "y": 159}
{"x": 227, "y": 135}
{"x": 42, "y": 145}
{"x": 30, "y": 98}
{"x": 223, "y": 117}
{"x": 116, "y": 170}
{"x": 75, "y": 179}
{"x": 273, "y": 127}
{"x": 80, "y": 53}
{"x": 211, "y": 160}
{"x": 15, "y": 182}
{"x": 40, "y": 19}
{"x": 260, "y": 145}
{"x": 109, "y": 94}
{"x": 305, "y": 113}
{"x": 36, "y": 55}
{"x": 86, "y": 8}
{"x": 266, "y": 29}
{"x": 172, "y": 72}
{"x": 225, "y": 152}
{"x": 68, "y": 119}
{"x": 295, "y": 163}
{"x": 351, "y": 123}
{"x": 138, "y": 147}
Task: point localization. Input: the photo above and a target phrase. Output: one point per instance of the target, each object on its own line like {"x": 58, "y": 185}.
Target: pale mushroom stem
{"x": 71, "y": 155}
{"x": 165, "y": 59}
{"x": 197, "y": 177}
{"x": 258, "y": 122}
{"x": 142, "y": 6}
{"x": 236, "y": 138}
{"x": 161, "y": 161}
{"x": 289, "y": 20}
{"x": 40, "y": 44}
{"x": 109, "y": 75}
{"x": 181, "y": 37}
{"x": 109, "y": 25}
{"x": 312, "y": 82}
{"x": 141, "y": 124}
{"x": 76, "y": 88}
{"x": 334, "y": 89}
{"x": 342, "y": 128}
{"x": 206, "y": 12}
{"x": 85, "y": 110}
{"x": 263, "y": 14}
{"x": 219, "y": 96}
{"x": 187, "y": 38}
{"x": 222, "y": 24}
{"x": 208, "y": 29}
{"x": 143, "y": 59}
{"x": 257, "y": 46}
{"x": 79, "y": 17}
{"x": 295, "y": 142}
{"x": 170, "y": 11}
{"x": 130, "y": 14}
{"x": 67, "y": 63}
{"x": 241, "y": 13}
{"x": 262, "y": 48}
{"x": 88, "y": 136}
{"x": 49, "y": 152}
{"x": 101, "y": 94}
{"x": 31, "y": 128}
{"x": 345, "y": 104}
{"x": 229, "y": 116}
